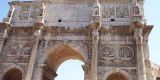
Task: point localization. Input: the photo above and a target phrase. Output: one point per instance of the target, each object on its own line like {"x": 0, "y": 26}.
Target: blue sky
{"x": 152, "y": 14}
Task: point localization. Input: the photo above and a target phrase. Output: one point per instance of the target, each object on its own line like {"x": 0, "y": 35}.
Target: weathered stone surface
{"x": 109, "y": 36}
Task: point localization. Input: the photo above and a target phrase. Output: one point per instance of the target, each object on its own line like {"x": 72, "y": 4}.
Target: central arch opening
{"x": 58, "y": 58}
{"x": 116, "y": 76}
{"x": 70, "y": 70}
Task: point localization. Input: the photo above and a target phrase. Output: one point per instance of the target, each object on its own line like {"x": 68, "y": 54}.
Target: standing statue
{"x": 97, "y": 9}
{"x": 136, "y": 10}
{"x": 96, "y": 12}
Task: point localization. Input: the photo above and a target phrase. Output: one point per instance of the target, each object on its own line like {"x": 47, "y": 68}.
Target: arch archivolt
{"x": 10, "y": 67}
{"x": 58, "y": 52}
{"x": 61, "y": 51}
{"x": 116, "y": 70}
{"x": 74, "y": 45}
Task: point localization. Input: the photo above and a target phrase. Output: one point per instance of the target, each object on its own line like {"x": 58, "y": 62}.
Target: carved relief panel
{"x": 11, "y": 50}
{"x": 36, "y": 11}
{"x": 107, "y": 53}
{"x": 116, "y": 11}
{"x": 122, "y": 12}
{"x": 17, "y": 52}
{"x": 122, "y": 56}
{"x": 24, "y": 13}
{"x": 126, "y": 53}
{"x": 26, "y": 50}
{"x": 25, "y": 53}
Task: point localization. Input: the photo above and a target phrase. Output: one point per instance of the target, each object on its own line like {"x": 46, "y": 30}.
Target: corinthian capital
{"x": 95, "y": 35}
{"x": 138, "y": 34}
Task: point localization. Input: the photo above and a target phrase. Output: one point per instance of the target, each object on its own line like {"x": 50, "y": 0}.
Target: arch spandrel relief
{"x": 80, "y": 45}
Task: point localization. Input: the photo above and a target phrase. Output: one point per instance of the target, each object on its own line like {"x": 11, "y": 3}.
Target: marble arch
{"x": 78, "y": 35}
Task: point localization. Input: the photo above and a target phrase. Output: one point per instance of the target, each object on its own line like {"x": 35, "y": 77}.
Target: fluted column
{"x": 31, "y": 64}
{"x": 95, "y": 38}
{"x": 32, "y": 61}
{"x": 138, "y": 35}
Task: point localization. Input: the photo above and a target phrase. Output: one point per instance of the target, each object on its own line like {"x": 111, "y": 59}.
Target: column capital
{"x": 95, "y": 36}
{"x": 38, "y": 32}
{"x": 138, "y": 34}
{"x": 85, "y": 68}
{"x": 41, "y": 65}
{"x": 138, "y": 30}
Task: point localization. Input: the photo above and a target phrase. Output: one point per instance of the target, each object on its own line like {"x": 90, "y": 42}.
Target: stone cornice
{"x": 129, "y": 30}
{"x": 140, "y": 24}
{"x": 3, "y": 25}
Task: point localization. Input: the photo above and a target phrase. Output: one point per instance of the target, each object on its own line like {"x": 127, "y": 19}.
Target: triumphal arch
{"x": 109, "y": 36}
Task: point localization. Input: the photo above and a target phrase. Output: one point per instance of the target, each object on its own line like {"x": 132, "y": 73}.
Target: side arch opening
{"x": 158, "y": 78}
{"x": 13, "y": 74}
{"x": 117, "y": 76}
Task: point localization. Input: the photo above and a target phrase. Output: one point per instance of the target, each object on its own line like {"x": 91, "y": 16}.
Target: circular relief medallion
{"x": 107, "y": 53}
{"x": 126, "y": 53}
